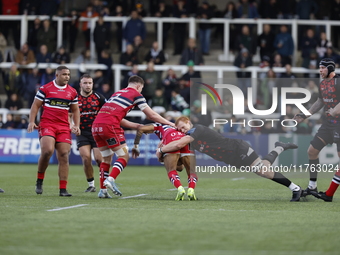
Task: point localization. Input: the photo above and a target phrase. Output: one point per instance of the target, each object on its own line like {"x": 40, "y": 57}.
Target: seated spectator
{"x": 32, "y": 37}
{"x": 266, "y": 41}
{"x": 242, "y": 61}
{"x": 23, "y": 124}
{"x": 323, "y": 44}
{"x": 61, "y": 57}
{"x": 187, "y": 88}
{"x": 313, "y": 64}
{"x": 128, "y": 58}
{"x": 170, "y": 82}
{"x": 3, "y": 45}
{"x": 177, "y": 101}
{"x": 84, "y": 58}
{"x": 33, "y": 80}
{"x": 10, "y": 123}
{"x": 158, "y": 100}
{"x": 43, "y": 55}
{"x": 101, "y": 36}
{"x": 13, "y": 81}
{"x": 277, "y": 62}
{"x": 331, "y": 54}
{"x": 266, "y": 89}
{"x": 306, "y": 9}
{"x": 106, "y": 59}
{"x": 98, "y": 79}
{"x": 155, "y": 55}
{"x": 191, "y": 53}
{"x": 140, "y": 9}
{"x": 47, "y": 36}
{"x": 1, "y": 122}
{"x": 105, "y": 90}
{"x": 25, "y": 55}
{"x": 47, "y": 76}
{"x": 133, "y": 71}
{"x": 308, "y": 45}
{"x": 134, "y": 27}
{"x": 13, "y": 103}
{"x": 152, "y": 81}
{"x": 139, "y": 49}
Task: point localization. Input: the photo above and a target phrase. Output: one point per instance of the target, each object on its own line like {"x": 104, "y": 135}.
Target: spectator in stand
{"x": 3, "y": 44}
{"x": 98, "y": 79}
{"x": 277, "y": 61}
{"x": 133, "y": 71}
{"x": 134, "y": 27}
{"x": 284, "y": 44}
{"x": 242, "y": 61}
{"x": 155, "y": 55}
{"x": 84, "y": 58}
{"x": 170, "y": 82}
{"x": 247, "y": 10}
{"x": 177, "y": 101}
{"x": 43, "y": 56}
{"x": 49, "y": 7}
{"x": 158, "y": 100}
{"x": 13, "y": 81}
{"x": 269, "y": 9}
{"x": 86, "y": 28}
{"x": 288, "y": 74}
{"x": 140, "y": 9}
{"x": 191, "y": 6}
{"x": 47, "y": 76}
{"x": 229, "y": 12}
{"x": 97, "y": 6}
{"x": 32, "y": 37}
{"x": 266, "y": 42}
{"x": 179, "y": 11}
{"x": 73, "y": 29}
{"x": 61, "y": 57}
{"x": 105, "y": 90}
{"x": 186, "y": 85}
{"x": 335, "y": 15}
{"x": 128, "y": 58}
{"x": 266, "y": 88}
{"x": 10, "y": 123}
{"x": 246, "y": 40}
{"x": 106, "y": 59}
{"x": 308, "y": 45}
{"x": 47, "y": 36}
{"x": 331, "y": 54}
{"x": 11, "y": 7}
{"x": 118, "y": 12}
{"x": 152, "y": 81}
{"x": 306, "y": 9}
{"x": 313, "y": 64}
{"x": 204, "y": 13}
{"x": 286, "y": 9}
{"x": 323, "y": 44}
{"x": 13, "y": 103}
{"x": 23, "y": 124}
{"x": 29, "y": 7}
{"x": 101, "y": 36}
{"x": 25, "y": 55}
{"x": 32, "y": 84}
{"x": 139, "y": 49}
{"x": 192, "y": 53}
{"x": 163, "y": 11}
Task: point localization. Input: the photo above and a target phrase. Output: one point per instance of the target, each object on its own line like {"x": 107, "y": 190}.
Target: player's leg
{"x": 104, "y": 169}
{"x": 63, "y": 150}
{"x": 190, "y": 165}
{"x": 85, "y": 154}
{"x": 47, "y": 144}
{"x": 170, "y": 164}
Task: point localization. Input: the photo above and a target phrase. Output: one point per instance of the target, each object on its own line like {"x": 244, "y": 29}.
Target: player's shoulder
{"x": 98, "y": 95}
{"x": 47, "y": 85}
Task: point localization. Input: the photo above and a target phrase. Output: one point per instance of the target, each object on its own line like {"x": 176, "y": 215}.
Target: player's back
{"x": 161, "y": 130}
{"x": 119, "y": 104}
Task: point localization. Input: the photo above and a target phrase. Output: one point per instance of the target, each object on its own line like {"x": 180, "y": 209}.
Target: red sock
{"x": 41, "y": 176}
{"x": 118, "y": 167}
{"x": 192, "y": 179}
{"x": 334, "y": 185}
{"x": 104, "y": 169}
{"x": 174, "y": 178}
{"x": 62, "y": 184}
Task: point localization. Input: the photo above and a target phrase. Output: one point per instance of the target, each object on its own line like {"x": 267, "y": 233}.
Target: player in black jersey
{"x": 89, "y": 104}
{"x": 235, "y": 152}
{"x": 329, "y": 132}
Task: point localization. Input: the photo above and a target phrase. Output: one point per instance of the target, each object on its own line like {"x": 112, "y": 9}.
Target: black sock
{"x": 279, "y": 178}
{"x": 90, "y": 180}
{"x": 313, "y": 175}
{"x": 271, "y": 156}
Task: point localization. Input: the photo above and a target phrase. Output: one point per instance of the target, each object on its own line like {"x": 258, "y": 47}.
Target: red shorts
{"x": 61, "y": 134}
{"x": 108, "y": 135}
{"x": 175, "y": 135}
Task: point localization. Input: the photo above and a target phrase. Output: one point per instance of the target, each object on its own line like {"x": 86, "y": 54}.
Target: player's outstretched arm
{"x": 154, "y": 116}
{"x": 129, "y": 124}
{"x": 147, "y": 129}
{"x": 175, "y": 145}
{"x": 300, "y": 117}
{"x": 33, "y": 114}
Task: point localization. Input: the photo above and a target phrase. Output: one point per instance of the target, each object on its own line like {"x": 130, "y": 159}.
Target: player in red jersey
{"x": 108, "y": 134}
{"x": 89, "y": 105}
{"x": 173, "y": 160}
{"x": 56, "y": 98}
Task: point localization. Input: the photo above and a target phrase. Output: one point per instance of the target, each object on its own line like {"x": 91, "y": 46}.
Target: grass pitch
{"x": 232, "y": 216}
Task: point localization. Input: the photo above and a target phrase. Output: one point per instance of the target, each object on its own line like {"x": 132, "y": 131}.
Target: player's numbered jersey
{"x": 161, "y": 130}
{"x": 56, "y": 103}
{"x": 119, "y": 104}
{"x": 89, "y": 107}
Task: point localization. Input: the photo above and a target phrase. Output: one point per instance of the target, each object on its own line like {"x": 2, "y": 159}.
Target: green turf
{"x": 243, "y": 216}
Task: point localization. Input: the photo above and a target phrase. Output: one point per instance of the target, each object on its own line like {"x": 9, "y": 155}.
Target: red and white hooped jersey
{"x": 56, "y": 103}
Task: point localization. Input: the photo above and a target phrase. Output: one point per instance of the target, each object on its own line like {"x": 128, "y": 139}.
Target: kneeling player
{"x": 173, "y": 161}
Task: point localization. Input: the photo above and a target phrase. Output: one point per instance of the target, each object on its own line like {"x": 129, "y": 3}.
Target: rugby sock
{"x": 91, "y": 182}
{"x": 279, "y": 178}
{"x": 174, "y": 178}
{"x": 104, "y": 169}
{"x": 40, "y": 176}
{"x": 313, "y": 175}
{"x": 271, "y": 156}
{"x": 118, "y": 167}
{"x": 333, "y": 186}
{"x": 192, "y": 179}
{"x": 62, "y": 184}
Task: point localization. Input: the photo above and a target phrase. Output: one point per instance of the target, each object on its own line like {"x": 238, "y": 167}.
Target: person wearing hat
{"x": 329, "y": 132}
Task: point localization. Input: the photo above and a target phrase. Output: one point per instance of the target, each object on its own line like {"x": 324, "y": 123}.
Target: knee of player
{"x": 312, "y": 152}
{"x": 46, "y": 153}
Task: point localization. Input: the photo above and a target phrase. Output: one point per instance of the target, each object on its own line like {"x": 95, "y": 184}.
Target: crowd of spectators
{"x": 167, "y": 92}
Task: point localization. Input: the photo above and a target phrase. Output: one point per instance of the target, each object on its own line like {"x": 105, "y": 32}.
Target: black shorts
{"x": 85, "y": 138}
{"x": 328, "y": 132}
{"x": 243, "y": 154}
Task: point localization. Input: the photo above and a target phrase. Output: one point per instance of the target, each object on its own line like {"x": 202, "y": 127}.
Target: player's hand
{"x": 331, "y": 111}
{"x": 75, "y": 130}
{"x": 172, "y": 124}
{"x": 300, "y": 117}
{"x": 31, "y": 127}
{"x": 135, "y": 152}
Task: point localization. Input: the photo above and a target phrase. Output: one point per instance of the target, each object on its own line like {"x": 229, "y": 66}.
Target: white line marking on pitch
{"x": 139, "y": 195}
{"x": 236, "y": 179}
{"x": 64, "y": 208}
